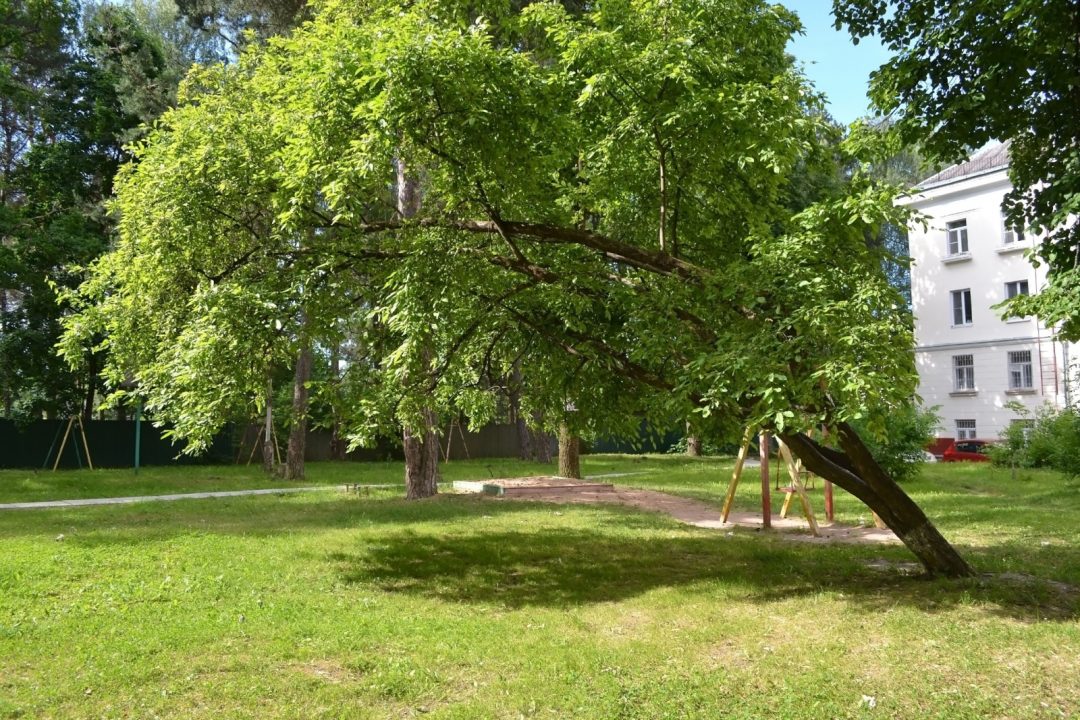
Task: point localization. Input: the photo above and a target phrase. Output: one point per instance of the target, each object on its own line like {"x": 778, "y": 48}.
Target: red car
{"x": 969, "y": 450}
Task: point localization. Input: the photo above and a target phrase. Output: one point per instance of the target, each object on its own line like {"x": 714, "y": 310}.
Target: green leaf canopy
{"x": 604, "y": 195}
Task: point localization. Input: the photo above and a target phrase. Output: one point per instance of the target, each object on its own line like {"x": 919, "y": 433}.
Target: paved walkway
{"x": 682, "y": 509}
{"x": 158, "y": 498}
{"x": 84, "y": 502}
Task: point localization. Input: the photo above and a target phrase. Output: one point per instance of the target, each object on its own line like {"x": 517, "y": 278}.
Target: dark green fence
{"x": 649, "y": 440}
{"x": 112, "y": 444}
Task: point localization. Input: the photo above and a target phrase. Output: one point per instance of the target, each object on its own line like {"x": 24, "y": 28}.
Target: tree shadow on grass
{"x": 459, "y": 549}
{"x": 264, "y": 515}
{"x": 567, "y": 568}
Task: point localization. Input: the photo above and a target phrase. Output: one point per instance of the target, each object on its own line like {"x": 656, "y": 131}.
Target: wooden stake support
{"x": 729, "y": 500}
{"x": 455, "y": 422}
{"x": 63, "y": 443}
{"x": 797, "y": 487}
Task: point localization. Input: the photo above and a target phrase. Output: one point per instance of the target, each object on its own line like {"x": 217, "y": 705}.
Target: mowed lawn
{"x": 354, "y": 605}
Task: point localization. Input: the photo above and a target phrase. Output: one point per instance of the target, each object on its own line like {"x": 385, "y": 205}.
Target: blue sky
{"x": 833, "y": 63}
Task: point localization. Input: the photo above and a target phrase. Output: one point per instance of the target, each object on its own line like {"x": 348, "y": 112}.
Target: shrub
{"x": 900, "y": 448}
{"x": 1050, "y": 440}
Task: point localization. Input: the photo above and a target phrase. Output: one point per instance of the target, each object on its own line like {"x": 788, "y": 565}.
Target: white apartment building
{"x": 970, "y": 361}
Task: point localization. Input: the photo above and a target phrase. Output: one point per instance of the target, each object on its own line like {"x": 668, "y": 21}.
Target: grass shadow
{"x": 566, "y": 568}
{"x": 466, "y": 549}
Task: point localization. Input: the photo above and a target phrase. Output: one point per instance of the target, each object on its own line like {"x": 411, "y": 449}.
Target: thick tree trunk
{"x": 268, "y": 429}
{"x": 422, "y": 459}
{"x": 294, "y": 456}
{"x": 693, "y": 444}
{"x": 422, "y": 444}
{"x": 856, "y": 471}
{"x": 569, "y": 454}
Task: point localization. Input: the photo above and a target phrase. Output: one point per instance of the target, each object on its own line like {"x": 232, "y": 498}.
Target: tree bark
{"x": 294, "y": 456}
{"x": 541, "y": 441}
{"x": 421, "y": 444}
{"x": 513, "y": 392}
{"x": 569, "y": 454}
{"x": 337, "y": 441}
{"x": 91, "y": 388}
{"x": 422, "y": 459}
{"x": 693, "y": 444}
{"x": 855, "y": 470}
{"x": 268, "y": 429}
{"x": 5, "y": 391}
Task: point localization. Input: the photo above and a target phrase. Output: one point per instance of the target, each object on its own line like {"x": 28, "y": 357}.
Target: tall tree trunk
{"x": 569, "y": 453}
{"x": 91, "y": 388}
{"x": 856, "y": 471}
{"x": 525, "y": 439}
{"x": 294, "y": 456}
{"x": 337, "y": 441}
{"x": 525, "y": 445}
{"x": 8, "y": 400}
{"x": 422, "y": 459}
{"x": 541, "y": 441}
{"x": 268, "y": 429}
{"x": 421, "y": 444}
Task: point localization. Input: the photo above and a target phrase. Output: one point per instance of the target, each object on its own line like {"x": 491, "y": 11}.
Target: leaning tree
{"x": 614, "y": 197}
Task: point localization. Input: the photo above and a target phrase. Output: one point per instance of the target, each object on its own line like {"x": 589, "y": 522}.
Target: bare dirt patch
{"x": 324, "y": 670}
{"x": 701, "y": 515}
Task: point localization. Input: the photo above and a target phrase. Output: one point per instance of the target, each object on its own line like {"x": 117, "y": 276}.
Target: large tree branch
{"x": 611, "y": 249}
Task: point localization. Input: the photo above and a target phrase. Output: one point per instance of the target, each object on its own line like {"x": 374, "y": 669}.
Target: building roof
{"x": 985, "y": 161}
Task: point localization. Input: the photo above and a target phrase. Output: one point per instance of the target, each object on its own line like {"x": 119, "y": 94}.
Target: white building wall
{"x": 984, "y": 270}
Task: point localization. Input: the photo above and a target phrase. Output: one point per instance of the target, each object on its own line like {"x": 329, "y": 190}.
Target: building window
{"x": 965, "y": 429}
{"x": 961, "y": 307}
{"x": 963, "y": 372}
{"x": 1020, "y": 375}
{"x": 956, "y": 232}
{"x": 1010, "y": 236}
{"x": 1016, "y": 287}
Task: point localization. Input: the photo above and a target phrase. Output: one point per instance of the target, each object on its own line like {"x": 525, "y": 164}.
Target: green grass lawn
{"x": 37, "y": 485}
{"x": 335, "y": 605}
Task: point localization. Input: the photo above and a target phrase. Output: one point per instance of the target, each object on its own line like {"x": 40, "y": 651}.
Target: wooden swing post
{"x": 86, "y": 445}
{"x": 797, "y": 488}
{"x": 63, "y": 443}
{"x": 729, "y": 499}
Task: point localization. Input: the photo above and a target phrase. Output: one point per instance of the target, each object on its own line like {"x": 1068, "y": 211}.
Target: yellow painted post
{"x": 787, "y": 504}
{"x": 808, "y": 512}
{"x": 86, "y": 445}
{"x": 797, "y": 486}
{"x": 729, "y": 500}
{"x": 793, "y": 477}
{"x": 63, "y": 444}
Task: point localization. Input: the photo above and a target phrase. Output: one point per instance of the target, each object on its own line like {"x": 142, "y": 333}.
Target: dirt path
{"x": 698, "y": 514}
